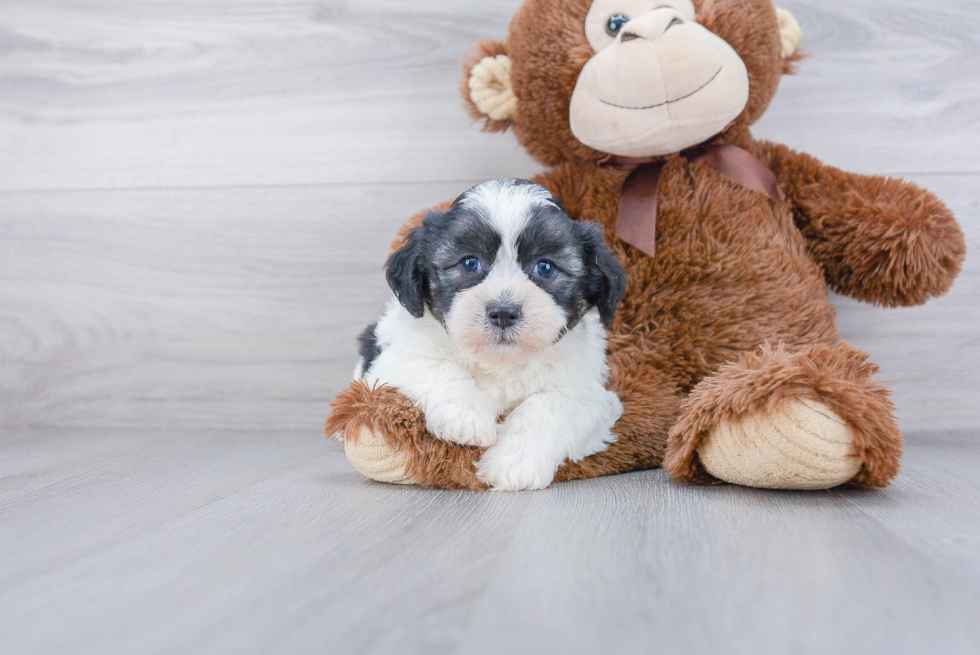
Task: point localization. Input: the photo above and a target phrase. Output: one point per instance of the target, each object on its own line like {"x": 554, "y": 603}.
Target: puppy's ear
{"x": 607, "y": 279}
{"x": 406, "y": 274}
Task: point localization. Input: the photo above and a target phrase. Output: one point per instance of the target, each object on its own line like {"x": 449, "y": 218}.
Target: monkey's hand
{"x": 880, "y": 240}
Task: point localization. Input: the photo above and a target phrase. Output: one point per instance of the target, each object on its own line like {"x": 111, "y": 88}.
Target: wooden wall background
{"x": 196, "y": 196}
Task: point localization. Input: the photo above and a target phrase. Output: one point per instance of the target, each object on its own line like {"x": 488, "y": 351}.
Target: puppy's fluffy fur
{"x": 498, "y": 312}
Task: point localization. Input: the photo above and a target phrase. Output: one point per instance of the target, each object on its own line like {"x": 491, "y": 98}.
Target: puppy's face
{"x": 506, "y": 271}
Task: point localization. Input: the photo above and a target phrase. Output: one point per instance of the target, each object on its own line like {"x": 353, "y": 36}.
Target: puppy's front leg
{"x": 455, "y": 409}
{"x": 460, "y": 413}
{"x": 544, "y": 431}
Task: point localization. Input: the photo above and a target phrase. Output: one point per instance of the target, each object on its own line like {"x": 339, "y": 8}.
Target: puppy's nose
{"x": 503, "y": 315}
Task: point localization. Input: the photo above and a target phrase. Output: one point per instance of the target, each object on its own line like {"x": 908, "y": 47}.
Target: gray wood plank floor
{"x": 258, "y": 542}
{"x": 196, "y": 197}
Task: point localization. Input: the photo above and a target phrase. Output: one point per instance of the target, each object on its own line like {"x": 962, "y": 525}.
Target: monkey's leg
{"x": 812, "y": 419}
{"x": 385, "y": 438}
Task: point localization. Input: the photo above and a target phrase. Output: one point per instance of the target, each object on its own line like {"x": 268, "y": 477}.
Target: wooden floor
{"x": 267, "y": 542}
{"x": 196, "y": 197}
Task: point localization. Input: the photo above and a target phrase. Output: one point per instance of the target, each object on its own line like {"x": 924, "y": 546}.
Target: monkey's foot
{"x": 374, "y": 458}
{"x": 385, "y": 438}
{"x": 777, "y": 419}
{"x": 803, "y": 445}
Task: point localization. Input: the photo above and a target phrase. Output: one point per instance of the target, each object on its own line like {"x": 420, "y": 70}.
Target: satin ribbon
{"x": 637, "y": 220}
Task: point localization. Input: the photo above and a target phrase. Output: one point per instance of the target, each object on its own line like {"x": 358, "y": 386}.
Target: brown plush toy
{"x": 724, "y": 353}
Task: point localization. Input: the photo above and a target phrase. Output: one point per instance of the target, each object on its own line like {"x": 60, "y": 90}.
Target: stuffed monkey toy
{"x": 725, "y": 351}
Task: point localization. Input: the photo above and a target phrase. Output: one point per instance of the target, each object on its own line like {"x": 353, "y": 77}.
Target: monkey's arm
{"x": 880, "y": 240}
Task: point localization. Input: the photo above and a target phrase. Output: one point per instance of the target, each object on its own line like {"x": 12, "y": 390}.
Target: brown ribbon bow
{"x": 637, "y": 221}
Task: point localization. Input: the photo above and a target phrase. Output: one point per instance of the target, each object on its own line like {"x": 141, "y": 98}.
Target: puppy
{"x": 499, "y": 310}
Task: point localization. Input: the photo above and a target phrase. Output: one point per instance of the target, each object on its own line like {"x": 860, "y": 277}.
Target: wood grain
{"x": 239, "y": 307}
{"x": 198, "y": 307}
{"x": 221, "y": 542}
{"x": 116, "y": 94}
{"x": 195, "y": 198}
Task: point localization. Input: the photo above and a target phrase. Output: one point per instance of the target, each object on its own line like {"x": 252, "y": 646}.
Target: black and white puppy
{"x": 499, "y": 310}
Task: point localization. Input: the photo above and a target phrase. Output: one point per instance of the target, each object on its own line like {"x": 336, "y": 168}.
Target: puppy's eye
{"x": 615, "y": 23}
{"x": 470, "y": 265}
{"x": 545, "y": 269}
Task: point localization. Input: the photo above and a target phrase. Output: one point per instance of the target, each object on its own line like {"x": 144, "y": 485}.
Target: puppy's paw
{"x": 508, "y": 469}
{"x": 465, "y": 421}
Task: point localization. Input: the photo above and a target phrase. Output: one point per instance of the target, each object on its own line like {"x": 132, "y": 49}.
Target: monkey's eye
{"x": 545, "y": 269}
{"x": 615, "y": 23}
{"x": 470, "y": 265}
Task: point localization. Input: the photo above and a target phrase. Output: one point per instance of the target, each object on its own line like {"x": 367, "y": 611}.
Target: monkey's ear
{"x": 487, "y": 92}
{"x": 790, "y": 36}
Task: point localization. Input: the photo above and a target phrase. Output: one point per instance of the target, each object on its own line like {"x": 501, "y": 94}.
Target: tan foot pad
{"x": 372, "y": 457}
{"x": 805, "y": 445}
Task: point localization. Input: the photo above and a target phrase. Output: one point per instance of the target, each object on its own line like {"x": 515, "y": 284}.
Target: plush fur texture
{"x": 838, "y": 377}
{"x": 382, "y": 411}
{"x": 732, "y": 314}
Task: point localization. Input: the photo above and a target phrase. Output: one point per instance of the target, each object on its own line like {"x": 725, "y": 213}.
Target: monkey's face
{"x": 583, "y": 79}
{"x": 659, "y": 81}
